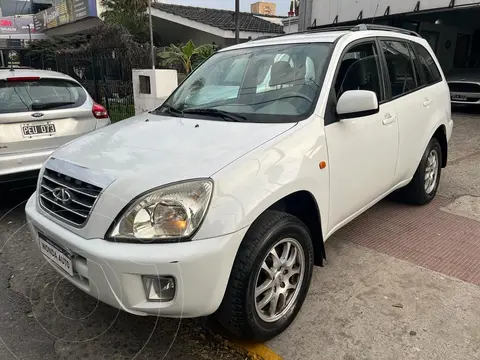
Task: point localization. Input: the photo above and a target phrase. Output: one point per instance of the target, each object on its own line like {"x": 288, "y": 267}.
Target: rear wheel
{"x": 423, "y": 187}
{"x": 270, "y": 278}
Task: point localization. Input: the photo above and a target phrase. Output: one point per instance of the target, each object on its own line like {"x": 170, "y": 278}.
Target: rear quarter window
{"x": 427, "y": 64}
{"x": 38, "y": 95}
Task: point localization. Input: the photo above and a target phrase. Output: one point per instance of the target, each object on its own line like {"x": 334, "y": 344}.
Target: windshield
{"x": 41, "y": 94}
{"x": 262, "y": 84}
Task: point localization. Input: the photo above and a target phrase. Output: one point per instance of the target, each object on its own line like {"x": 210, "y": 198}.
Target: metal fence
{"x": 107, "y": 76}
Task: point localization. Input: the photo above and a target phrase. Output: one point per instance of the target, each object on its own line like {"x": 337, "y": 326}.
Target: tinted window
{"x": 263, "y": 84}
{"x": 42, "y": 94}
{"x": 400, "y": 67}
{"x": 359, "y": 70}
{"x": 427, "y": 64}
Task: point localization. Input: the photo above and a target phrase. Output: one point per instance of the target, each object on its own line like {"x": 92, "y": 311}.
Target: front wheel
{"x": 423, "y": 187}
{"x": 270, "y": 278}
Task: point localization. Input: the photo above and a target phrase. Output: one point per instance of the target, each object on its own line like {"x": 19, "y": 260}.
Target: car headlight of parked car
{"x": 165, "y": 214}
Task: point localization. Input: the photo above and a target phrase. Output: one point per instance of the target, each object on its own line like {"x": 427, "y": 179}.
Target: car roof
{"x": 330, "y": 35}
{"x": 20, "y": 72}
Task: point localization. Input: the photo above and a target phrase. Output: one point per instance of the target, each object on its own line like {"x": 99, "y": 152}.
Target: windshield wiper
{"x": 52, "y": 105}
{"x": 168, "y": 109}
{"x": 226, "y": 115}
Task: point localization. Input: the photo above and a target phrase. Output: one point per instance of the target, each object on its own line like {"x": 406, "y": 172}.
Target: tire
{"x": 417, "y": 192}
{"x": 238, "y": 313}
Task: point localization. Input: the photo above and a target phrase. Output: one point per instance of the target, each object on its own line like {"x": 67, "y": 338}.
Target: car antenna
{"x": 376, "y": 9}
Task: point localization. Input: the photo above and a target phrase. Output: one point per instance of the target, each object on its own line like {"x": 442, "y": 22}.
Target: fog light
{"x": 159, "y": 288}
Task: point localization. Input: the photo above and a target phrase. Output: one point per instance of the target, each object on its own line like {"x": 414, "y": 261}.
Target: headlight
{"x": 171, "y": 213}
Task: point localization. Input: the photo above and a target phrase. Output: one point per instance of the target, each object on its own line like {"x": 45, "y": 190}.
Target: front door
{"x": 362, "y": 151}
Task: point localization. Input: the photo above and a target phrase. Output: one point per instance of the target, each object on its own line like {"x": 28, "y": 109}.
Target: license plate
{"x": 38, "y": 129}
{"x": 56, "y": 254}
{"x": 459, "y": 98}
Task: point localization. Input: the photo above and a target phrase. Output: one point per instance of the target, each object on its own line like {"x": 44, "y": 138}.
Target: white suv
{"x": 220, "y": 201}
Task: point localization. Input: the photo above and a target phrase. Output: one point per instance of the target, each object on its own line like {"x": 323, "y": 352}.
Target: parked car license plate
{"x": 38, "y": 129}
{"x": 459, "y": 97}
{"x": 54, "y": 252}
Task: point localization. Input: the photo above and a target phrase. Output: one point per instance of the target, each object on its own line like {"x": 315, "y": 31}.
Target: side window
{"x": 360, "y": 70}
{"x": 426, "y": 62}
{"x": 400, "y": 67}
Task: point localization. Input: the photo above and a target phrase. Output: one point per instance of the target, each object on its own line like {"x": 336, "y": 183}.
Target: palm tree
{"x": 185, "y": 55}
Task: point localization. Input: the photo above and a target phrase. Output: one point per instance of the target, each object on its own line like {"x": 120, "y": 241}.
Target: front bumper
{"x": 111, "y": 272}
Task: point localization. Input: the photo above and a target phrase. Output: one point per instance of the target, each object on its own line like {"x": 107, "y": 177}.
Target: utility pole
{"x": 152, "y": 48}
{"x": 237, "y": 21}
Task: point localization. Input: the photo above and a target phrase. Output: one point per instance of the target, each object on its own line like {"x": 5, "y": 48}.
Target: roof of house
{"x": 223, "y": 19}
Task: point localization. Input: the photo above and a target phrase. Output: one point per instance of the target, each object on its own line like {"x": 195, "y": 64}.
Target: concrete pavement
{"x": 384, "y": 294}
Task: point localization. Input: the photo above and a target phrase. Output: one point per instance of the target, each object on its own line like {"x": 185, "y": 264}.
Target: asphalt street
{"x": 43, "y": 316}
{"x": 372, "y": 300}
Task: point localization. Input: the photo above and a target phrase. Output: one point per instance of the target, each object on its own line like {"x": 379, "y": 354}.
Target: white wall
{"x": 290, "y": 25}
{"x": 325, "y": 11}
{"x": 162, "y": 83}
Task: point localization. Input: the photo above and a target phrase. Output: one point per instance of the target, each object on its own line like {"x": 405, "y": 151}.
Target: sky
{"x": 283, "y": 6}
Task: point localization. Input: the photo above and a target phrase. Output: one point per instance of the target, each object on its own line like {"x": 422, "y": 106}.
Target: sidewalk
{"x": 401, "y": 282}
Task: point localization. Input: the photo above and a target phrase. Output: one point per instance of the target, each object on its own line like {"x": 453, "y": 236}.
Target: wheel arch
{"x": 441, "y": 135}
{"x": 303, "y": 205}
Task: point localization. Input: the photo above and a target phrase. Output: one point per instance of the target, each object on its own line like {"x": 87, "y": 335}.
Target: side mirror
{"x": 357, "y": 103}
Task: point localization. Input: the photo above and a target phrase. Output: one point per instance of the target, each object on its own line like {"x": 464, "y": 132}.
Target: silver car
{"x": 40, "y": 111}
{"x": 465, "y": 86}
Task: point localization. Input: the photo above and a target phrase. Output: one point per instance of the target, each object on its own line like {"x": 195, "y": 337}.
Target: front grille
{"x": 464, "y": 87}
{"x": 68, "y": 198}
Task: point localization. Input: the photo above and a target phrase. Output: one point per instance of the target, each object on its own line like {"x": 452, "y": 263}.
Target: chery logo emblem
{"x": 62, "y": 195}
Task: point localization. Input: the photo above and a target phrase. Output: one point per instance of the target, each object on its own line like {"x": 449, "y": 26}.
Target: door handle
{"x": 427, "y": 102}
{"x": 389, "y": 119}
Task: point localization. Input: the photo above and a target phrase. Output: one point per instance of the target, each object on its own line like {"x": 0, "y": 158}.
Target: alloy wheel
{"x": 279, "y": 280}
{"x": 431, "y": 171}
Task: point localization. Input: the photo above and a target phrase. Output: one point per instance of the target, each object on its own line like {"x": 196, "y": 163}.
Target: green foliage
{"x": 115, "y": 37}
{"x": 131, "y": 14}
{"x": 44, "y": 51}
{"x": 186, "y": 56}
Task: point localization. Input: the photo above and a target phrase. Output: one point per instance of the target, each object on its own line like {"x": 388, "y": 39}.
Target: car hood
{"x": 167, "y": 149}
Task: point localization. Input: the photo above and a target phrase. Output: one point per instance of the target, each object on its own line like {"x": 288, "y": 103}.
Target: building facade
{"x": 450, "y": 26}
{"x": 264, "y": 8}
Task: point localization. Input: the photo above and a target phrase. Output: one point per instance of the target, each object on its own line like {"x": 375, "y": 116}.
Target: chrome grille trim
{"x": 66, "y": 192}
{"x": 74, "y": 200}
{"x": 63, "y": 207}
{"x": 68, "y": 187}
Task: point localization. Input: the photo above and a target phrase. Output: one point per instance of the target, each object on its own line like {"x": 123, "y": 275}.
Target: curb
{"x": 257, "y": 351}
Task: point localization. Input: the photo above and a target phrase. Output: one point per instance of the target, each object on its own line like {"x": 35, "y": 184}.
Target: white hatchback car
{"x": 221, "y": 204}
{"x": 39, "y": 111}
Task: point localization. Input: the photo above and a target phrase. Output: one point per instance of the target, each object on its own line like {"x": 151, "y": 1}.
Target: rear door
{"x": 42, "y": 113}
{"x": 413, "y": 102}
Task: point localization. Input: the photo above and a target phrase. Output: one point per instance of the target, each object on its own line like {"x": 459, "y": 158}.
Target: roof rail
{"x": 362, "y": 27}
{"x": 388, "y": 28}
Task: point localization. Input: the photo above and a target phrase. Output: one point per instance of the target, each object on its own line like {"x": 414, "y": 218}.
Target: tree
{"x": 42, "y": 53}
{"x": 187, "y": 56}
{"x": 131, "y": 14}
